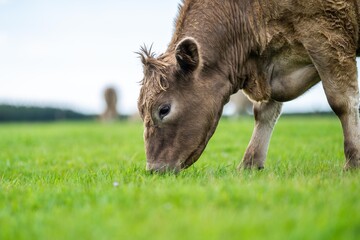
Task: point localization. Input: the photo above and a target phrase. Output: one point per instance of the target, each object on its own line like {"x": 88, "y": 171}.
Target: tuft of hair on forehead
{"x": 155, "y": 70}
{"x": 155, "y": 81}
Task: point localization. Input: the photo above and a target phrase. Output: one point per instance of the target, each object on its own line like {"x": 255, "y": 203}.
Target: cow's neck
{"x": 230, "y": 37}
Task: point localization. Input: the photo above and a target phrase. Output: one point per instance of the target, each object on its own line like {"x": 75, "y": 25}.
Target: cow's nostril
{"x": 149, "y": 167}
{"x": 155, "y": 167}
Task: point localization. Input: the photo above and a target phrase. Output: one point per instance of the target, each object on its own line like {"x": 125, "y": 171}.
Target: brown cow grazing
{"x": 273, "y": 50}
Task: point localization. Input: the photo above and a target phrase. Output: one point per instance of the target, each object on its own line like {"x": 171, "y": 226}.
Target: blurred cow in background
{"x": 111, "y": 99}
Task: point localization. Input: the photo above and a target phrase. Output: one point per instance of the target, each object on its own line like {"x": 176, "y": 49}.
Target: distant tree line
{"x": 10, "y": 113}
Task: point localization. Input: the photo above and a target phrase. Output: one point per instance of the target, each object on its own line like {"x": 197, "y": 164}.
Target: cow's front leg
{"x": 266, "y": 115}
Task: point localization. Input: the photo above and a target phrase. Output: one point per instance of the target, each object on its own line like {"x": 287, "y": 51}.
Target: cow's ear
{"x": 187, "y": 55}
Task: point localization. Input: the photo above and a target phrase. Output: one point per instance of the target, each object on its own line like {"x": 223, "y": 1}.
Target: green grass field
{"x": 57, "y": 182}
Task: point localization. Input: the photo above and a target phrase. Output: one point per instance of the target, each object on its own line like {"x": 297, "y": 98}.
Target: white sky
{"x": 64, "y": 53}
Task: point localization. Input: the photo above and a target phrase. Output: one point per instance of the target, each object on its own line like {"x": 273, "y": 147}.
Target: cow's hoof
{"x": 250, "y": 166}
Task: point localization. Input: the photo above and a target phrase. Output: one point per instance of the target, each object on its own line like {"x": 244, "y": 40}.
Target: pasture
{"x": 86, "y": 180}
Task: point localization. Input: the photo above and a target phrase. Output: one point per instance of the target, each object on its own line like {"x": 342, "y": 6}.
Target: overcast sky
{"x": 66, "y": 52}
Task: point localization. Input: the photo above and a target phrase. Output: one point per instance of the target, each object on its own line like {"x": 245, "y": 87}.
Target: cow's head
{"x": 180, "y": 102}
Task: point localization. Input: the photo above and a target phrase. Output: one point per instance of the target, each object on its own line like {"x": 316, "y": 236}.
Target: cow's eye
{"x": 164, "y": 110}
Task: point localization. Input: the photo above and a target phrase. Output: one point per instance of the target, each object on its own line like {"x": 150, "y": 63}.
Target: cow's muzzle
{"x": 162, "y": 168}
